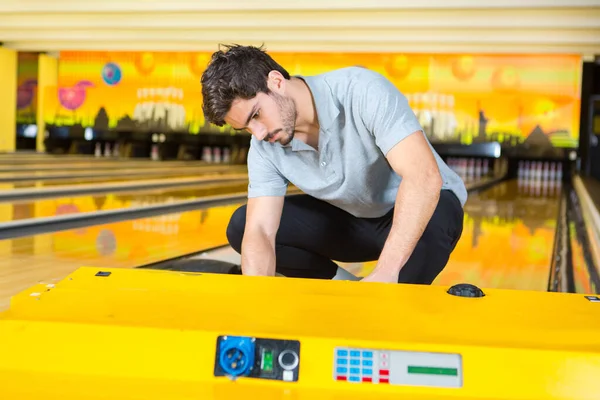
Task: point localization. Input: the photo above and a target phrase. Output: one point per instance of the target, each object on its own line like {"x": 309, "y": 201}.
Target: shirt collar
{"x": 326, "y": 108}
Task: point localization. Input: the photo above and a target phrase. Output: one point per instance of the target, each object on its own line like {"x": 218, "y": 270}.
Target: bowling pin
{"x": 217, "y": 154}
{"x": 154, "y": 152}
{"x": 521, "y": 170}
{"x": 226, "y": 155}
{"x": 107, "y": 152}
{"x": 552, "y": 172}
{"x": 207, "y": 154}
{"x": 471, "y": 171}
{"x": 98, "y": 150}
{"x": 546, "y": 171}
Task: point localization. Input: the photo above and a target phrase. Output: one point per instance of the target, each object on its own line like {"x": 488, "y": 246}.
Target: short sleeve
{"x": 263, "y": 178}
{"x": 386, "y": 112}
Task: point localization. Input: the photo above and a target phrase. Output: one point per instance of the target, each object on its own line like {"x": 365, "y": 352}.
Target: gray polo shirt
{"x": 362, "y": 116}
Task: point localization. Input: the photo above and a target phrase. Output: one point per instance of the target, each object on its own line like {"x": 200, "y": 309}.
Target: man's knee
{"x": 235, "y": 229}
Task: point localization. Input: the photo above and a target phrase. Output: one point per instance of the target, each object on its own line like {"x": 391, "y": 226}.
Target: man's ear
{"x": 276, "y": 82}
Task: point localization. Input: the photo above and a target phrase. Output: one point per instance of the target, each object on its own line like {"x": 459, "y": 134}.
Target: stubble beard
{"x": 288, "y": 113}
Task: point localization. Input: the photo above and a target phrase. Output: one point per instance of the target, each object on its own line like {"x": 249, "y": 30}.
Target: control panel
{"x": 397, "y": 367}
{"x": 262, "y": 358}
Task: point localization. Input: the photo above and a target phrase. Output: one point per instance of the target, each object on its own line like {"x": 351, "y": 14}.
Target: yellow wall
{"x": 47, "y": 77}
{"x": 8, "y": 99}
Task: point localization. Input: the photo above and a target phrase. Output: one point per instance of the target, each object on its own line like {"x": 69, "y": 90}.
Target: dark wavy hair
{"x": 239, "y": 72}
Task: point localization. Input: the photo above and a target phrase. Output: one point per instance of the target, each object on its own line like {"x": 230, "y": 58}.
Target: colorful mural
{"x": 27, "y": 75}
{"x": 458, "y": 98}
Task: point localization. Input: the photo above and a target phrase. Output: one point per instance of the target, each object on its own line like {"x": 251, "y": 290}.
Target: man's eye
{"x": 256, "y": 115}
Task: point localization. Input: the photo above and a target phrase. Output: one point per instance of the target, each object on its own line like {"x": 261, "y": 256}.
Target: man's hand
{"x": 416, "y": 201}
{"x": 381, "y": 275}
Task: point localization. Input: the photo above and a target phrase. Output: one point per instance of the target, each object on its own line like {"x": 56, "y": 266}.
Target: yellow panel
{"x": 47, "y": 77}
{"x": 144, "y": 334}
{"x": 8, "y": 99}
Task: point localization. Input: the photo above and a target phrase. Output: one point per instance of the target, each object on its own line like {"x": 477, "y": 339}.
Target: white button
{"x": 288, "y": 375}
{"x": 323, "y": 164}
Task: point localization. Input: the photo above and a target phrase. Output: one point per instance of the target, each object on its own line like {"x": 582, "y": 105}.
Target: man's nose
{"x": 258, "y": 130}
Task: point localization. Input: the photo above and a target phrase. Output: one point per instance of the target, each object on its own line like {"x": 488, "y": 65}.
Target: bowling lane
{"x": 58, "y": 159}
{"x": 85, "y": 166}
{"x": 115, "y": 177}
{"x": 111, "y": 201}
{"x": 47, "y": 258}
{"x": 97, "y": 172}
{"x": 508, "y": 237}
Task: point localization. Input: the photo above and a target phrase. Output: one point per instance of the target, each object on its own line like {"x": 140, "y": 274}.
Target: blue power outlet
{"x": 236, "y": 355}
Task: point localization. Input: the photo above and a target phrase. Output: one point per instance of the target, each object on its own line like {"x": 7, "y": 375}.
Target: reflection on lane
{"x": 112, "y": 201}
{"x": 94, "y": 166}
{"x": 99, "y": 172}
{"x": 50, "y": 257}
{"x": 508, "y": 238}
{"x": 119, "y": 178}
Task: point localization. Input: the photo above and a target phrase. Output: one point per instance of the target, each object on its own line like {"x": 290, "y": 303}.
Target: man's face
{"x": 270, "y": 117}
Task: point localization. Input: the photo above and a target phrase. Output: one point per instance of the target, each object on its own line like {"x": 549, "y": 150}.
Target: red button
{"x": 367, "y": 379}
{"x": 341, "y": 378}
{"x": 384, "y": 380}
{"x": 384, "y": 372}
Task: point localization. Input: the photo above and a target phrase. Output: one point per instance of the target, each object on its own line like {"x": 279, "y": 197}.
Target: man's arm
{"x": 263, "y": 215}
{"x": 416, "y": 201}
{"x": 398, "y": 134}
{"x": 266, "y": 191}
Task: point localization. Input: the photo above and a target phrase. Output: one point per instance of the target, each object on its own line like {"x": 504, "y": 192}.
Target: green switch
{"x": 267, "y": 360}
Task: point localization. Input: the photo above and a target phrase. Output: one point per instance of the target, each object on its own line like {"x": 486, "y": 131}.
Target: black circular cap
{"x": 288, "y": 359}
{"x": 466, "y": 290}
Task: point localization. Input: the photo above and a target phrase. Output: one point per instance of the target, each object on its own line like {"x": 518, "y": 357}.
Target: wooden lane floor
{"x": 99, "y": 177}
{"x": 508, "y": 237}
{"x": 48, "y": 258}
{"x": 57, "y": 159}
{"x": 42, "y": 208}
{"x": 9, "y": 166}
{"x": 99, "y": 172}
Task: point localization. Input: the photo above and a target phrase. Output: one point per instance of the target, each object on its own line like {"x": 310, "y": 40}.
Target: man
{"x": 374, "y": 189}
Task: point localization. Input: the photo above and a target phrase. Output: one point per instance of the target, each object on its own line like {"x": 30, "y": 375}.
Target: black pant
{"x": 312, "y": 233}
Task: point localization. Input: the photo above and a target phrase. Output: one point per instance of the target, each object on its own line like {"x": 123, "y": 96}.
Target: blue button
{"x": 342, "y": 370}
{"x": 355, "y": 353}
{"x": 354, "y": 379}
{"x": 342, "y": 353}
{"x": 367, "y": 363}
{"x": 368, "y": 354}
{"x": 354, "y": 362}
{"x": 367, "y": 371}
{"x": 342, "y": 361}
{"x": 355, "y": 370}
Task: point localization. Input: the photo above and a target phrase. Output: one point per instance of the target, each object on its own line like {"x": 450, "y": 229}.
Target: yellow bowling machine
{"x": 149, "y": 334}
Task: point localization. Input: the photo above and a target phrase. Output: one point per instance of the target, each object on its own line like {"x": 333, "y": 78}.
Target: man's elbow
{"x": 430, "y": 179}
{"x": 434, "y": 178}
